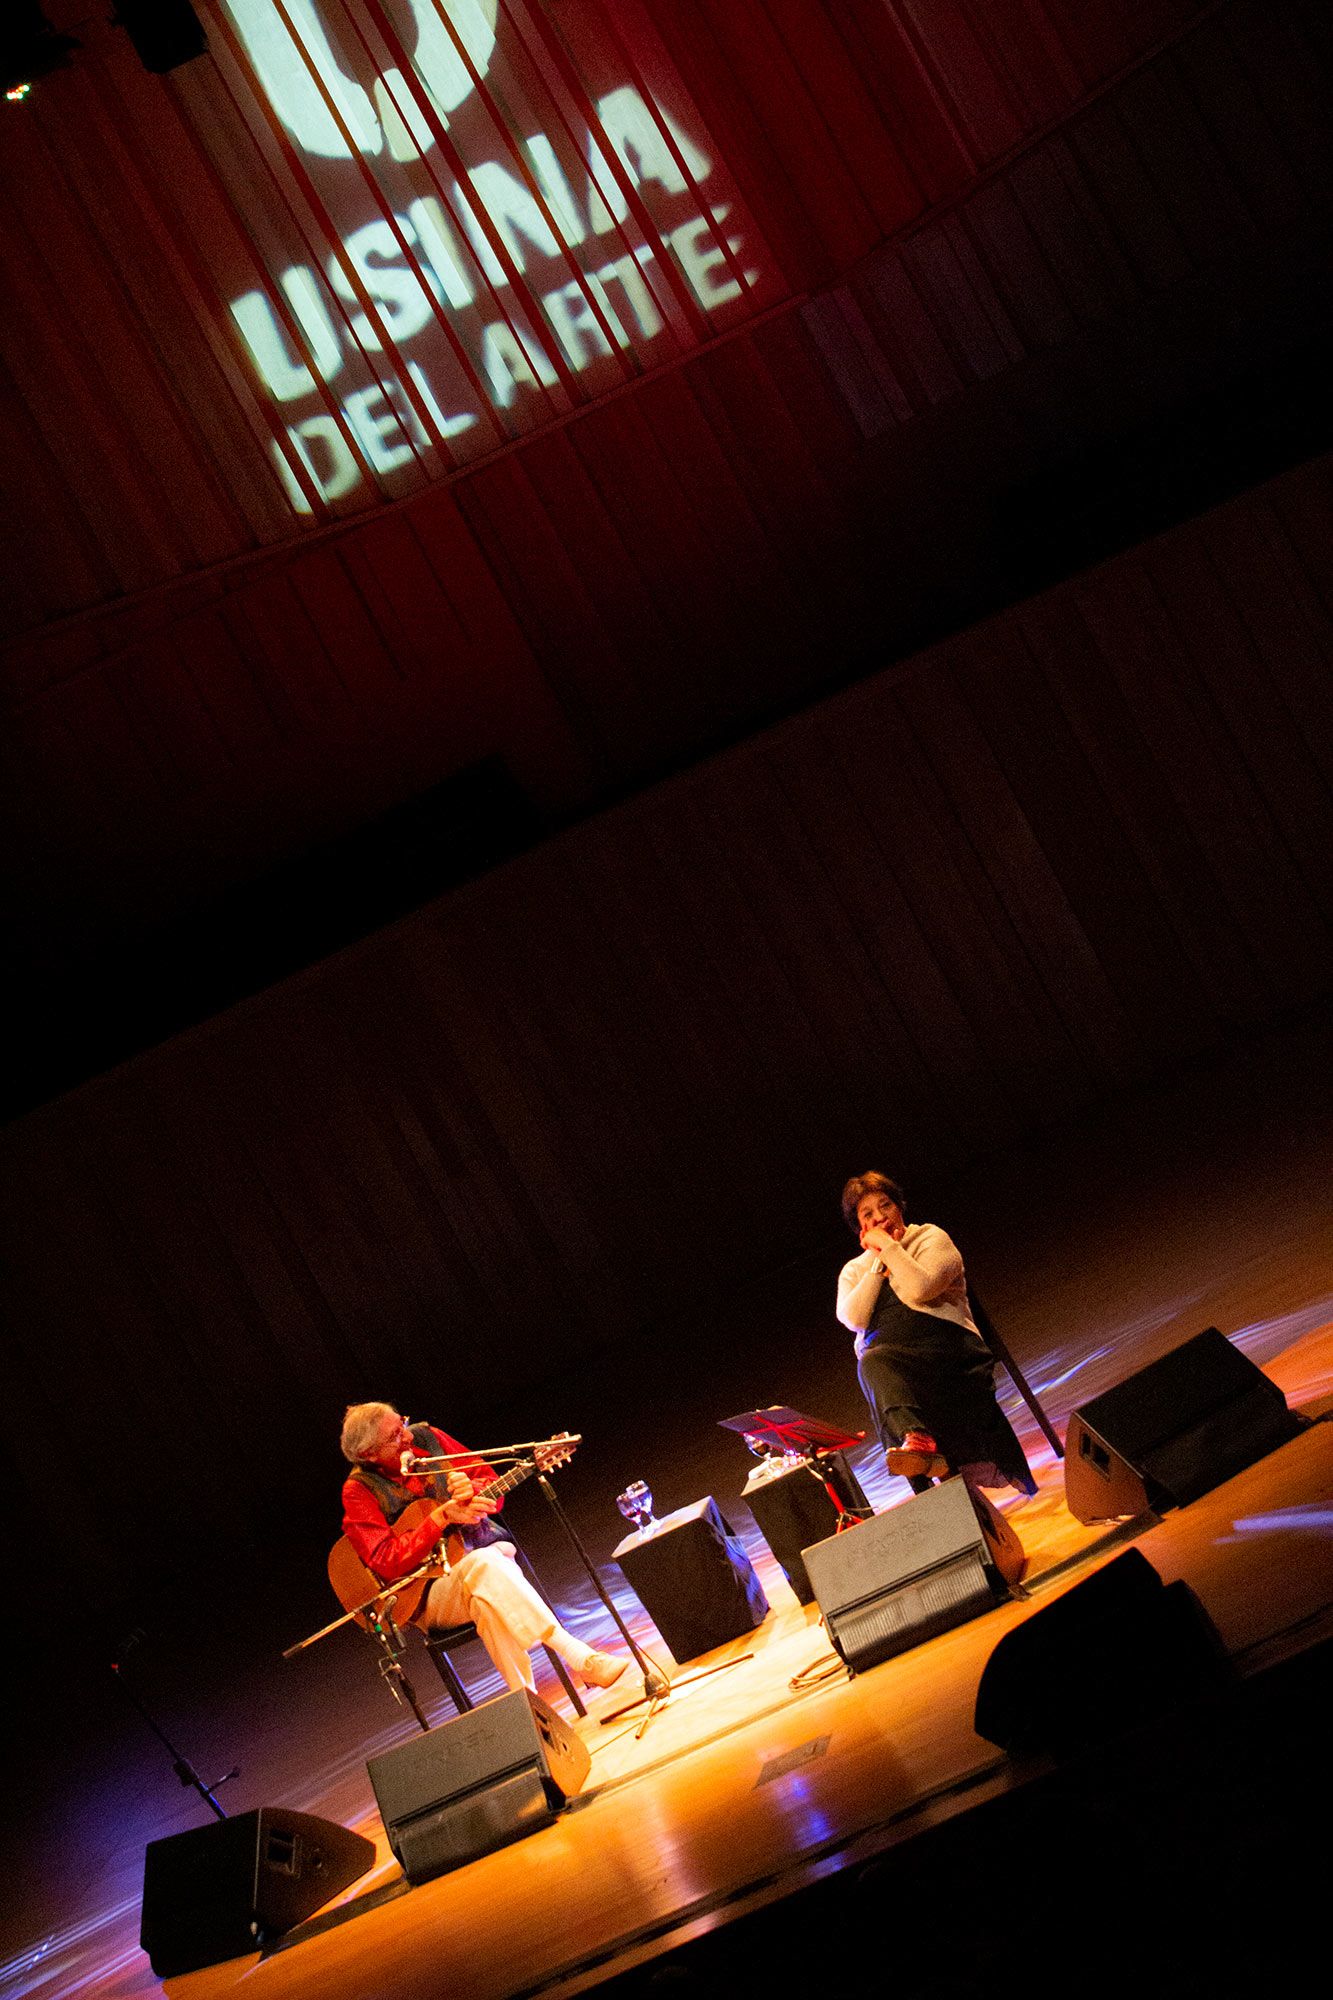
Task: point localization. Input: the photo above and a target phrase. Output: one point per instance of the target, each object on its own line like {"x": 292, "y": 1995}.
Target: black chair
{"x": 444, "y": 1640}
{"x": 985, "y": 1326}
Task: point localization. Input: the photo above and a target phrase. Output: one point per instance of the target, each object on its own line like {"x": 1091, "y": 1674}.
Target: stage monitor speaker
{"x": 477, "y": 1782}
{"x": 1173, "y": 1431}
{"x": 898, "y": 1579}
{"x": 1117, "y": 1650}
{"x": 224, "y": 1889}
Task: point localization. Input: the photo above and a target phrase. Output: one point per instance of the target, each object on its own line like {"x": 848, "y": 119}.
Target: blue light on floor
{"x": 1309, "y": 1517}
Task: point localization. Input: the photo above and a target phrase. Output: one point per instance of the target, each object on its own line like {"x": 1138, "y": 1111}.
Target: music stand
{"x": 791, "y": 1434}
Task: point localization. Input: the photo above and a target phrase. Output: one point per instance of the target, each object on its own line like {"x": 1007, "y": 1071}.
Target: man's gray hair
{"x": 361, "y": 1428}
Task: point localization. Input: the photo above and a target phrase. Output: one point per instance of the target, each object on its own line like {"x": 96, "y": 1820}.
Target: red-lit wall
{"x": 140, "y": 206}
{"x": 729, "y": 534}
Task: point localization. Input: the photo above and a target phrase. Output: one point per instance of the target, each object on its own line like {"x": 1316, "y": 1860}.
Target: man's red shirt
{"x": 365, "y": 1526}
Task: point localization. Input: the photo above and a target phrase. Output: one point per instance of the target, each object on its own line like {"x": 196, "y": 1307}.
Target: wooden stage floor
{"x": 684, "y": 1828}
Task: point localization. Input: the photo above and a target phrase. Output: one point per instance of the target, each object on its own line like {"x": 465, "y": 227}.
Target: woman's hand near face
{"x": 877, "y": 1237}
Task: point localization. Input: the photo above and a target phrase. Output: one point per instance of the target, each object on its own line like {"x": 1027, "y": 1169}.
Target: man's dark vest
{"x": 391, "y": 1496}
{"x": 394, "y": 1500}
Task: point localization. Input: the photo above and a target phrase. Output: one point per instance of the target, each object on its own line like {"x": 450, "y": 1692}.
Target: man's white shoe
{"x": 602, "y": 1670}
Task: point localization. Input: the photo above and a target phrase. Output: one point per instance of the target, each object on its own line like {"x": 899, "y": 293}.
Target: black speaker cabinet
{"x": 1173, "y": 1431}
{"x": 224, "y": 1889}
{"x": 898, "y": 1579}
{"x": 477, "y": 1782}
{"x": 1115, "y": 1651}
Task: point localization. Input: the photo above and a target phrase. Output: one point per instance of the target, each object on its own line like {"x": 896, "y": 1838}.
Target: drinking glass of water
{"x": 636, "y": 1503}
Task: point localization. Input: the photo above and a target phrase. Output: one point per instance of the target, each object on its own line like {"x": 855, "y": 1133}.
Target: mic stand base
{"x": 656, "y": 1685}
{"x": 659, "y": 1699}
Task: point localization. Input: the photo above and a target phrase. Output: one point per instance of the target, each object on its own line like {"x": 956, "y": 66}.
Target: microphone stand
{"x": 184, "y": 1770}
{"x": 491, "y": 1455}
{"x": 656, "y": 1686}
{"x": 388, "y": 1636}
{"x": 376, "y": 1617}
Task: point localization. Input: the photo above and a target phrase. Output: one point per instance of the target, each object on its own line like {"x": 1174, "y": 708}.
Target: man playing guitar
{"x": 481, "y": 1582}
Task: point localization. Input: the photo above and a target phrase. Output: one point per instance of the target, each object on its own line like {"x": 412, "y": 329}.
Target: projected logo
{"x": 327, "y": 111}
{"x": 506, "y": 237}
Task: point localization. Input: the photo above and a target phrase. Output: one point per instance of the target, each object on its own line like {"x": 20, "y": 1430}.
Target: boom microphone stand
{"x": 656, "y": 1686}
{"x": 376, "y": 1617}
{"x": 529, "y": 1456}
{"x": 183, "y": 1768}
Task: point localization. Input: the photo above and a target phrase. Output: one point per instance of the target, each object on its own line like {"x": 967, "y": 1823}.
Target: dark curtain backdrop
{"x": 996, "y": 243}
{"x": 575, "y": 1101}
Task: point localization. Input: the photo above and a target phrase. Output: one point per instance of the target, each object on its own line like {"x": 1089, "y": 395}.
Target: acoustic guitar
{"x": 355, "y": 1584}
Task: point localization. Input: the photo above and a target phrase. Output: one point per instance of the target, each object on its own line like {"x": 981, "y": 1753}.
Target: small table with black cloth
{"x": 694, "y": 1579}
{"x": 794, "y": 1510}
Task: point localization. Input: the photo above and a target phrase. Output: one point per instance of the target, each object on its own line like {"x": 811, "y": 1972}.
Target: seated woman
{"x": 925, "y": 1371}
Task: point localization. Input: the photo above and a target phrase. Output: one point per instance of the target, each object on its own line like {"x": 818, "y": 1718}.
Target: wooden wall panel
{"x": 737, "y": 534}
{"x": 145, "y": 207}
{"x": 610, "y": 599}
{"x": 608, "y": 1084}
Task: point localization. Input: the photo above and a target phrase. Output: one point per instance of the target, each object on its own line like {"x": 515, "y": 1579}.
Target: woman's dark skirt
{"x": 924, "y": 1372}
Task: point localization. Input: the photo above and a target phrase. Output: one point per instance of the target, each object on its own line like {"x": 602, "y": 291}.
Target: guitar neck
{"x": 507, "y": 1481}
{"x": 464, "y": 1538}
